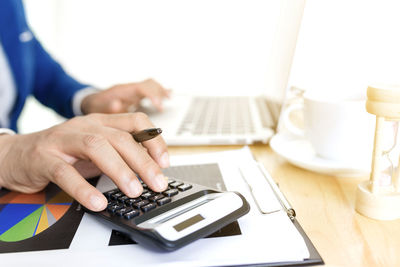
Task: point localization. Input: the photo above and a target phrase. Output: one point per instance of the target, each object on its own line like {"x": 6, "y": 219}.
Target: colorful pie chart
{"x": 25, "y": 215}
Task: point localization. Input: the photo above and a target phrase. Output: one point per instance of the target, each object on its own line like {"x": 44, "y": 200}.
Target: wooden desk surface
{"x": 325, "y": 209}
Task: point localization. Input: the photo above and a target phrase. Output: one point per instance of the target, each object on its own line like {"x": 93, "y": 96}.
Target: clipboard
{"x": 209, "y": 175}
{"x": 315, "y": 258}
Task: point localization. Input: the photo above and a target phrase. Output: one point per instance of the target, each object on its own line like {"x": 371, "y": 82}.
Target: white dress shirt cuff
{"x": 6, "y": 131}
{"x": 78, "y": 98}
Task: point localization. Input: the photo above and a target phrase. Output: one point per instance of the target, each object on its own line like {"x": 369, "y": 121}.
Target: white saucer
{"x": 299, "y": 152}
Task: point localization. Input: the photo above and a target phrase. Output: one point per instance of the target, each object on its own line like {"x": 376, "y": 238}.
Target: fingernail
{"x": 164, "y": 160}
{"x": 97, "y": 202}
{"x": 135, "y": 188}
{"x": 161, "y": 182}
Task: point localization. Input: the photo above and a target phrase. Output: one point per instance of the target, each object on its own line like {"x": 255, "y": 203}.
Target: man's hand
{"x": 83, "y": 147}
{"x": 121, "y": 98}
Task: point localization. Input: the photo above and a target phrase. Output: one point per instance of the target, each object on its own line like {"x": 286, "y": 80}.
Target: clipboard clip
{"x": 278, "y": 193}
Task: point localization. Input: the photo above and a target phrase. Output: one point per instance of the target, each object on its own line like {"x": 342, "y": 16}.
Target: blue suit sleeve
{"x": 53, "y": 87}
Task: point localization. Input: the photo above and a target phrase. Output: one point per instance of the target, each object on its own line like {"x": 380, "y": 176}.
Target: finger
{"x": 68, "y": 178}
{"x": 152, "y": 85}
{"x": 136, "y": 122}
{"x": 87, "y": 169}
{"x": 168, "y": 92}
{"x": 154, "y": 91}
{"x": 97, "y": 148}
{"x": 116, "y": 106}
{"x": 157, "y": 102}
{"x": 137, "y": 158}
{"x": 134, "y": 92}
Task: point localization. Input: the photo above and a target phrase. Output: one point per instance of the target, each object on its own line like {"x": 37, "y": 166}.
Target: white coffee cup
{"x": 337, "y": 125}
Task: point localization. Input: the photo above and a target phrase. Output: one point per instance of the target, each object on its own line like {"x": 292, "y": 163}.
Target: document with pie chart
{"x": 41, "y": 221}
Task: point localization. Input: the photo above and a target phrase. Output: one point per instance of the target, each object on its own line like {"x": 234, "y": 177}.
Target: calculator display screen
{"x": 189, "y": 222}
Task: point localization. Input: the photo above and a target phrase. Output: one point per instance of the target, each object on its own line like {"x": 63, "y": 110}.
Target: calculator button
{"x": 123, "y": 199}
{"x": 122, "y": 211}
{"x": 163, "y": 201}
{"x": 185, "y": 187}
{"x": 111, "y": 202}
{"x": 147, "y": 195}
{"x": 116, "y": 195}
{"x": 148, "y": 207}
{"x": 145, "y": 186}
{"x": 175, "y": 184}
{"x": 170, "y": 192}
{"x": 156, "y": 197}
{"x": 171, "y": 181}
{"x": 131, "y": 201}
{"x": 114, "y": 207}
{"x": 109, "y": 193}
{"x": 131, "y": 214}
{"x": 141, "y": 204}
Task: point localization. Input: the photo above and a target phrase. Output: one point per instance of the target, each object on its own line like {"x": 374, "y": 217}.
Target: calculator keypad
{"x": 128, "y": 208}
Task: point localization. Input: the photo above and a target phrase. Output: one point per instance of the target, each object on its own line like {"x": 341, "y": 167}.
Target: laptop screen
{"x": 223, "y": 47}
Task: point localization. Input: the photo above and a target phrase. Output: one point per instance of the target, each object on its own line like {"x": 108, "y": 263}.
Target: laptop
{"x": 227, "y": 120}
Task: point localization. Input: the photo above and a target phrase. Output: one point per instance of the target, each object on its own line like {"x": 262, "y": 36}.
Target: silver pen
{"x": 282, "y": 199}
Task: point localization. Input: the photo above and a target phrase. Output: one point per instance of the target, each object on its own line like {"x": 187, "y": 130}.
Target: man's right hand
{"x": 83, "y": 147}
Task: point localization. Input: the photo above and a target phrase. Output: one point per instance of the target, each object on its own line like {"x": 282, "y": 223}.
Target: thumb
{"x": 157, "y": 102}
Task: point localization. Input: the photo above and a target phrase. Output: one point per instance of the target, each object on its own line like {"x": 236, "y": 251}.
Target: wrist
{"x": 81, "y": 103}
{"x": 86, "y": 105}
{"x": 6, "y": 141}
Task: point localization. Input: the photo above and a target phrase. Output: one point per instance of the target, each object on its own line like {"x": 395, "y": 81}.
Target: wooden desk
{"x": 325, "y": 209}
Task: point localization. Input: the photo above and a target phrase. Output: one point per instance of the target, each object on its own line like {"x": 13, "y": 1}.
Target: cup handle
{"x": 287, "y": 122}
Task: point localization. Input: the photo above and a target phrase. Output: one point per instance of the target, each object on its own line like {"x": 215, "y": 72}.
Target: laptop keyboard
{"x": 223, "y": 115}
{"x": 268, "y": 111}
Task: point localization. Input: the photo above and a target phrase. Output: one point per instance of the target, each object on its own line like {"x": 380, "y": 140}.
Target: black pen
{"x": 146, "y": 134}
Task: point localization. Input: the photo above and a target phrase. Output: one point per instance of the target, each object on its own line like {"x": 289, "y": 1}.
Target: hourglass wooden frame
{"x": 374, "y": 200}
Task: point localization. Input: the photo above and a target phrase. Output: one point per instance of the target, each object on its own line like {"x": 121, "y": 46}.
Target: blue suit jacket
{"x": 34, "y": 71}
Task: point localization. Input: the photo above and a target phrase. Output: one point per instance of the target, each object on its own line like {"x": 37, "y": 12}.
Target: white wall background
{"x": 346, "y": 44}
{"x": 214, "y": 46}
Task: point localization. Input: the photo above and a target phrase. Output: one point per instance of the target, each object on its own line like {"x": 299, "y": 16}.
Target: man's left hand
{"x": 125, "y": 97}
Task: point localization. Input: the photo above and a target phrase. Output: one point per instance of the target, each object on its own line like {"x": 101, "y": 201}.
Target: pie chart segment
{"x": 25, "y": 215}
{"x": 43, "y": 222}
{"x": 25, "y": 228}
{"x": 12, "y": 214}
{"x": 38, "y": 198}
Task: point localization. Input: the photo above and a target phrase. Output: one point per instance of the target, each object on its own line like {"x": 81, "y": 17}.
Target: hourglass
{"x": 379, "y": 198}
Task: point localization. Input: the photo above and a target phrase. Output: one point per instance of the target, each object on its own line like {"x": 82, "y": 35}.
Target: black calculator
{"x": 181, "y": 214}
